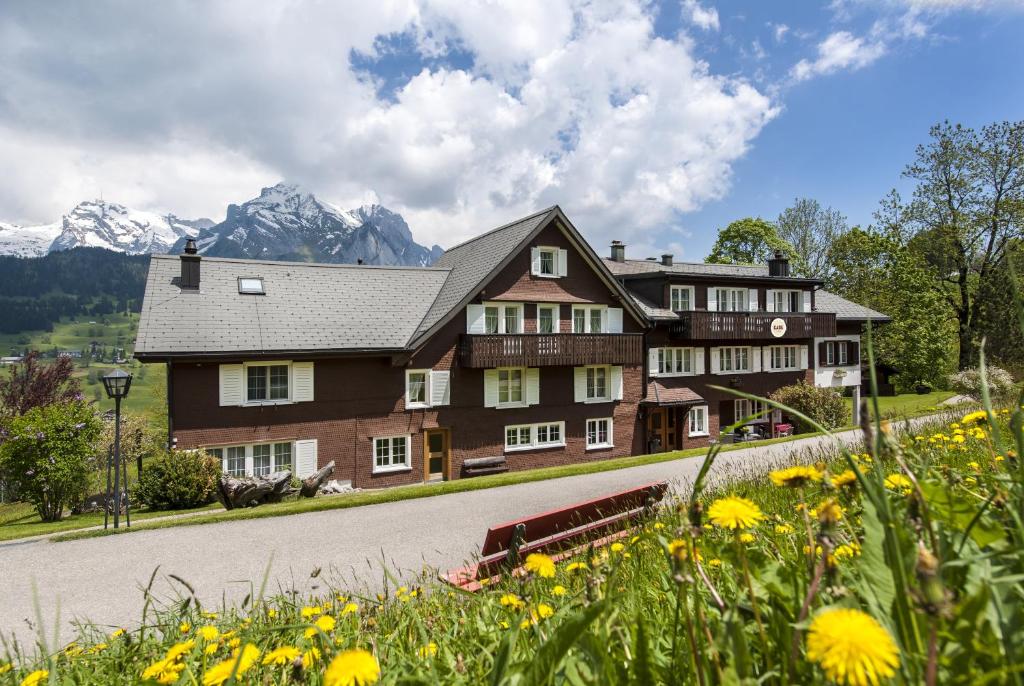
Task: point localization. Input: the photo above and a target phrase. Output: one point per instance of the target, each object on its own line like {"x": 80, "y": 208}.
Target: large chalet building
{"x": 518, "y": 349}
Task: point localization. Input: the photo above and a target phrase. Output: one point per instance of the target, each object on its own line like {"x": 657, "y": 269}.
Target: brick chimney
{"x": 618, "y": 251}
{"x": 666, "y": 260}
{"x": 190, "y": 266}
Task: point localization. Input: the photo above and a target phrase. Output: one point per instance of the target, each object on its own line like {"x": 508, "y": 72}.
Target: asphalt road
{"x": 102, "y": 578}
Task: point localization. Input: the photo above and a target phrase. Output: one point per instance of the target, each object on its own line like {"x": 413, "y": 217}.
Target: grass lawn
{"x": 19, "y": 520}
{"x": 911, "y": 404}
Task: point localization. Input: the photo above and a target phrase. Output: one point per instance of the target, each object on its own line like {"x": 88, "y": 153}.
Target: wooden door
{"x": 435, "y": 454}
{"x": 662, "y": 429}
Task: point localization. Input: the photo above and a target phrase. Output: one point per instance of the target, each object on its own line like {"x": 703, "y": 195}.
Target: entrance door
{"x": 661, "y": 429}
{"x": 435, "y": 451}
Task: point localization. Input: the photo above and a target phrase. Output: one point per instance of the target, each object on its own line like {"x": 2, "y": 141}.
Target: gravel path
{"x": 102, "y": 578}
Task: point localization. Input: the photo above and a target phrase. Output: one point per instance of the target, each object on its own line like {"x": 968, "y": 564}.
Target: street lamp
{"x": 117, "y": 384}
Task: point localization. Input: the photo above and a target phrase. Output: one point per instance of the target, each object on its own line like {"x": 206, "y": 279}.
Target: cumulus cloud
{"x": 840, "y": 50}
{"x": 186, "y": 107}
{"x": 702, "y": 17}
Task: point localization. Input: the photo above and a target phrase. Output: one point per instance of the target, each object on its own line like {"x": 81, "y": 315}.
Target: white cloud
{"x": 779, "y": 32}
{"x": 186, "y": 111}
{"x": 840, "y": 50}
{"x": 702, "y": 17}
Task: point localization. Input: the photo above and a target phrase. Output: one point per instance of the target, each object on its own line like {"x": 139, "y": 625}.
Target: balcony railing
{"x": 550, "y": 349}
{"x": 702, "y": 326}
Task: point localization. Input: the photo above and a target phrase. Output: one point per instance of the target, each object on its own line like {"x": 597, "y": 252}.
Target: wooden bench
{"x": 559, "y": 533}
{"x": 478, "y": 466}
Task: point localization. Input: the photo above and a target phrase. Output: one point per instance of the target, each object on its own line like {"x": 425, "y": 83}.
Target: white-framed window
{"x": 548, "y": 261}
{"x": 391, "y": 454}
{"x": 599, "y": 433}
{"x": 257, "y": 459}
{"x": 267, "y": 382}
{"x": 589, "y": 318}
{"x": 598, "y": 383}
{"x": 746, "y": 408}
{"x": 510, "y": 386}
{"x": 734, "y": 359}
{"x": 698, "y": 417}
{"x": 784, "y": 357}
{"x": 533, "y": 436}
{"x": 417, "y": 393}
{"x": 837, "y": 353}
{"x": 547, "y": 318}
{"x": 251, "y": 285}
{"x": 787, "y": 301}
{"x": 676, "y": 361}
{"x": 732, "y": 299}
{"x": 681, "y": 298}
{"x": 503, "y": 317}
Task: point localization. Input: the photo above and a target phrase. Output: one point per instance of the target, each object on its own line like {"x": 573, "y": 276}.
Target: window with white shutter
{"x": 440, "y": 388}
{"x": 305, "y": 458}
{"x": 548, "y": 262}
{"x": 230, "y": 384}
{"x": 302, "y": 382}
{"x": 417, "y": 388}
{"x": 597, "y": 383}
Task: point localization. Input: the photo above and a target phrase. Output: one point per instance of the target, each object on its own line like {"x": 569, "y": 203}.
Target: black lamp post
{"x": 117, "y": 384}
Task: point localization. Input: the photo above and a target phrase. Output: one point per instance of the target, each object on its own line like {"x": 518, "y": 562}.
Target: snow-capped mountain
{"x": 101, "y": 224}
{"x": 288, "y": 223}
{"x": 27, "y": 241}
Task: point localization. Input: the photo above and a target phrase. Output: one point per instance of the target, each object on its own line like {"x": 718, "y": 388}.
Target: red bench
{"x": 560, "y": 533}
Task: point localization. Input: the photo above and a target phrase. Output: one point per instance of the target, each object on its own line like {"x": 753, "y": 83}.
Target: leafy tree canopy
{"x": 749, "y": 241}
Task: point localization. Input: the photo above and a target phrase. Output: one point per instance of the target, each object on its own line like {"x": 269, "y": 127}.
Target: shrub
{"x": 823, "y": 405}
{"x": 46, "y": 456}
{"x": 968, "y": 382}
{"x": 179, "y": 480}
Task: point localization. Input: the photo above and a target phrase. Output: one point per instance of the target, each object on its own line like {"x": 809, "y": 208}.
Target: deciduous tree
{"x": 31, "y": 384}
{"x": 749, "y": 241}
{"x": 811, "y": 229}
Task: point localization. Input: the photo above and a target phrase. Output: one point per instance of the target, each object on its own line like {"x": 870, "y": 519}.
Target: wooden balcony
{"x": 550, "y": 350}
{"x": 706, "y": 326}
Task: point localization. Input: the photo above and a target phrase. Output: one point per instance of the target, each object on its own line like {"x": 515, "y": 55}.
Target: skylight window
{"x": 251, "y": 286}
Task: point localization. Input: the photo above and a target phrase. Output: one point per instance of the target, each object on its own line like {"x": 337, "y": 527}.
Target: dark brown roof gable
{"x": 475, "y": 262}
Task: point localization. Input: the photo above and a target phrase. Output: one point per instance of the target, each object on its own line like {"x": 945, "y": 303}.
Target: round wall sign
{"x": 778, "y": 327}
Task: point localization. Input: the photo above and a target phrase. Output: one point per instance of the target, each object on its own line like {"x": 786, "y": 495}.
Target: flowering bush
{"x": 47, "y": 453}
{"x": 1000, "y": 384}
{"x": 179, "y": 480}
{"x": 823, "y": 405}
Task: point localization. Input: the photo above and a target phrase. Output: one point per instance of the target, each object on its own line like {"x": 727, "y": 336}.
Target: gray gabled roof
{"x": 307, "y": 307}
{"x": 846, "y": 309}
{"x": 631, "y": 267}
{"x": 473, "y": 261}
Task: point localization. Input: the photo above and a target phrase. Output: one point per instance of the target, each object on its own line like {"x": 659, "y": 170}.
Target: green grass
{"x": 911, "y": 404}
{"x": 399, "y": 493}
{"x": 76, "y": 333}
{"x": 20, "y": 520}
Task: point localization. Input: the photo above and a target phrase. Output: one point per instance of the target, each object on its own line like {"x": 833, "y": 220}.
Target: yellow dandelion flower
{"x": 714, "y": 562}
{"x": 310, "y": 657}
{"x": 658, "y": 526}
{"x": 179, "y": 650}
{"x": 355, "y": 667}
{"x": 72, "y": 649}
{"x": 795, "y": 476}
{"x": 734, "y": 512}
{"x": 677, "y": 548}
{"x": 898, "y": 482}
{"x": 783, "y": 529}
{"x": 746, "y": 538}
{"x": 98, "y": 648}
{"x": 208, "y": 615}
{"x": 541, "y": 565}
{"x": 271, "y": 613}
{"x": 851, "y": 647}
{"x": 544, "y": 610}
{"x": 512, "y": 601}
{"x": 209, "y": 633}
{"x": 35, "y": 677}
{"x": 6, "y": 667}
{"x": 284, "y": 655}
{"x": 238, "y": 664}
{"x": 617, "y": 547}
{"x": 234, "y": 643}
{"x": 350, "y": 608}
{"x": 558, "y": 590}
{"x": 846, "y": 550}
{"x": 163, "y": 671}
{"x": 843, "y": 479}
{"x": 211, "y": 648}
{"x": 427, "y": 651}
{"x": 974, "y": 418}
{"x": 576, "y": 567}
{"x": 184, "y": 627}
{"x": 829, "y": 512}
{"x": 116, "y": 633}
{"x": 310, "y": 611}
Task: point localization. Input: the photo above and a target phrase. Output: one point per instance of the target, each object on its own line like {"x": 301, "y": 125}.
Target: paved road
{"x": 102, "y": 578}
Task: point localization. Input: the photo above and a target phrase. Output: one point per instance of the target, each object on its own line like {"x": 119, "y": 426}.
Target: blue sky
{"x": 654, "y": 123}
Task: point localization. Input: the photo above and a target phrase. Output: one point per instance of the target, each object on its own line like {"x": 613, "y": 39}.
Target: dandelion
{"x": 746, "y": 538}
{"x": 576, "y": 567}
{"x": 558, "y": 590}
{"x": 974, "y": 418}
{"x": 829, "y": 512}
{"x": 6, "y": 667}
{"x": 714, "y": 562}
{"x": 851, "y": 647}
{"x": 677, "y": 548}
{"x": 324, "y": 623}
{"x": 116, "y": 633}
{"x": 179, "y": 650}
{"x": 98, "y": 648}
{"x": 355, "y": 667}
{"x": 184, "y": 627}
{"x": 35, "y": 677}
{"x": 617, "y": 547}
{"x": 427, "y": 651}
{"x": 512, "y": 601}
{"x": 163, "y": 671}
{"x": 658, "y": 526}
{"x": 783, "y": 529}
{"x": 310, "y": 657}
{"x": 843, "y": 479}
{"x": 281, "y": 656}
{"x": 209, "y": 633}
{"x": 734, "y": 512}
{"x": 238, "y": 664}
{"x": 541, "y": 565}
{"x": 271, "y": 613}
{"x": 846, "y": 550}
{"x": 350, "y": 608}
{"x": 898, "y": 482}
{"x": 310, "y": 612}
{"x": 795, "y": 477}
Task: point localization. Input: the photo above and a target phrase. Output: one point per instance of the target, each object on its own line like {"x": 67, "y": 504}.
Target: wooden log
{"x": 311, "y": 484}
{"x": 249, "y": 491}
